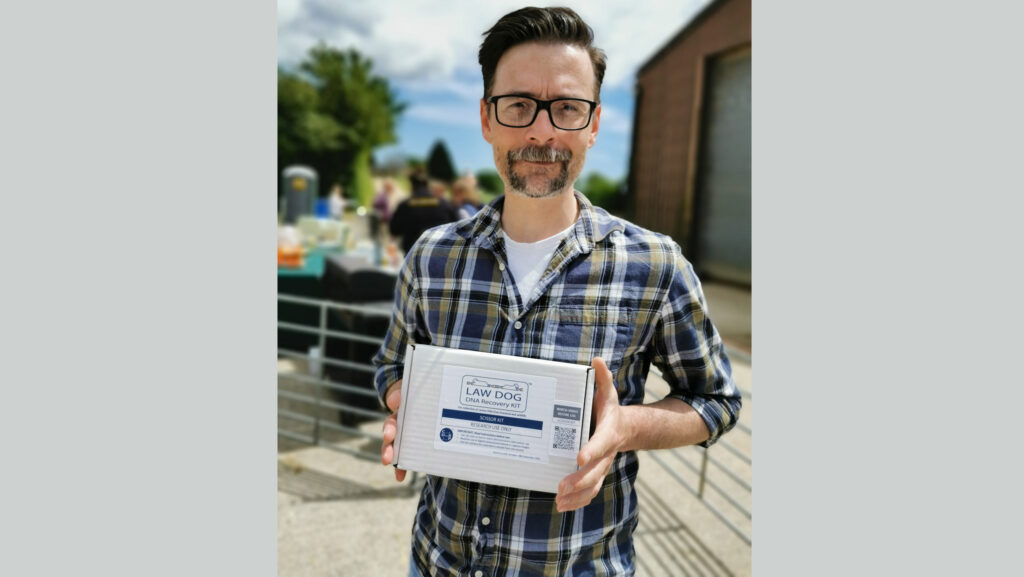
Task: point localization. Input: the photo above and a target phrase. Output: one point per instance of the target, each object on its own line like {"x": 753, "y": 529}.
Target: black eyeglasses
{"x": 517, "y": 111}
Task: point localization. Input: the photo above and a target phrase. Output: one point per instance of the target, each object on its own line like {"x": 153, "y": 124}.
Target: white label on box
{"x": 566, "y": 419}
{"x": 497, "y": 414}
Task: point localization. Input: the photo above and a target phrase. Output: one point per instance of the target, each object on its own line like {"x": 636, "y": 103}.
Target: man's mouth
{"x": 540, "y": 155}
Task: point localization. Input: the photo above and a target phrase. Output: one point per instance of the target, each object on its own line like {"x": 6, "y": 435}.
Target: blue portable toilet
{"x": 322, "y": 209}
{"x": 300, "y": 185}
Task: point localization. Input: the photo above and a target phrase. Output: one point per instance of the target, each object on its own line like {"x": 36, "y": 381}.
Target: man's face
{"x": 543, "y": 71}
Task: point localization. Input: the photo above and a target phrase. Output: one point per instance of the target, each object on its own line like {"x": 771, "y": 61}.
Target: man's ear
{"x": 594, "y": 125}
{"x": 485, "y": 120}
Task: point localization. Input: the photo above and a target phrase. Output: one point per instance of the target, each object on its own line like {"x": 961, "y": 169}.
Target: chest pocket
{"x": 577, "y": 334}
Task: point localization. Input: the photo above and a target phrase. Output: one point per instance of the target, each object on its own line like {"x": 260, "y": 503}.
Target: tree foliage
{"x": 414, "y": 163}
{"x": 489, "y": 181}
{"x": 604, "y": 192}
{"x": 439, "y": 162}
{"x": 331, "y": 113}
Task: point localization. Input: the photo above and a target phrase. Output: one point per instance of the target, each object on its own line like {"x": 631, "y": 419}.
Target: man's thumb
{"x": 602, "y": 376}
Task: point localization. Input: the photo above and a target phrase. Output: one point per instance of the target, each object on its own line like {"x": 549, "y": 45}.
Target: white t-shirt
{"x": 527, "y": 261}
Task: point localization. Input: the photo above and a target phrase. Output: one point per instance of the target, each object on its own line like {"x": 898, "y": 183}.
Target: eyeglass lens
{"x": 519, "y": 111}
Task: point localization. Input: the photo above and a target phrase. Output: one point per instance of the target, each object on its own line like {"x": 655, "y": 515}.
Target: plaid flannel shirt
{"x": 612, "y": 290}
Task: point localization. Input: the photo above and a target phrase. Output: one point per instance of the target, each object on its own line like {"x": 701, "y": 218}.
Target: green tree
{"x": 332, "y": 113}
{"x": 361, "y": 183}
{"x": 303, "y": 132}
{"x": 604, "y": 192}
{"x": 489, "y": 181}
{"x": 415, "y": 163}
{"x": 439, "y": 162}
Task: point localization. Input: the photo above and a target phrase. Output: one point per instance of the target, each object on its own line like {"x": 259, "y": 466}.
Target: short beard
{"x": 518, "y": 184}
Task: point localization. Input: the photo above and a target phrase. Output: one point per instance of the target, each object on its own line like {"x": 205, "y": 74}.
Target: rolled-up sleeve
{"x": 689, "y": 352}
{"x": 389, "y": 360}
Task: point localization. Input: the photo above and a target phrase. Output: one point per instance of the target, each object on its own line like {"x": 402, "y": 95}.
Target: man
{"x": 419, "y": 212}
{"x": 465, "y": 196}
{"x": 541, "y": 273}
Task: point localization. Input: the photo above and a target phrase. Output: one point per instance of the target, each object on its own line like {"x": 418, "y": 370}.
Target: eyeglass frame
{"x": 543, "y": 105}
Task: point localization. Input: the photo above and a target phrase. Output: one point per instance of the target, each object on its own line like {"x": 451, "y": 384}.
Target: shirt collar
{"x": 592, "y": 226}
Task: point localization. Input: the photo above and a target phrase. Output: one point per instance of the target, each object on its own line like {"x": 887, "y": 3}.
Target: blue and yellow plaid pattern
{"x": 612, "y": 290}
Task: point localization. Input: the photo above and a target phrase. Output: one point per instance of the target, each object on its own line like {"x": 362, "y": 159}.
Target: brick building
{"x": 690, "y": 160}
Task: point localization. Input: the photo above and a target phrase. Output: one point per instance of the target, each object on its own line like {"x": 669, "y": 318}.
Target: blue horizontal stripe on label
{"x": 493, "y": 419}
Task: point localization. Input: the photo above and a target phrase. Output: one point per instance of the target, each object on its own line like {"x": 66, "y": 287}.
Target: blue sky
{"x": 428, "y": 55}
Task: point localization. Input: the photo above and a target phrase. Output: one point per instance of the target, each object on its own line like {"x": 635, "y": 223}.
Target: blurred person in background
{"x": 469, "y": 179}
{"x": 554, "y": 278}
{"x": 465, "y": 198}
{"x": 383, "y": 200}
{"x": 336, "y": 202}
{"x": 421, "y": 211}
{"x": 438, "y": 188}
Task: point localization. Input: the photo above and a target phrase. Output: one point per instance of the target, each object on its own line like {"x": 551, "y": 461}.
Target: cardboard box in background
{"x": 493, "y": 419}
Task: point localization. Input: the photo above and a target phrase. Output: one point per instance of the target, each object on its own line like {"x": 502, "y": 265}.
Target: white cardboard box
{"x": 493, "y": 419}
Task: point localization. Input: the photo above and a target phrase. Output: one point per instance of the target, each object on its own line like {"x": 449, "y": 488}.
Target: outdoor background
{"x": 139, "y": 431}
{"x": 372, "y": 92}
{"x": 428, "y": 58}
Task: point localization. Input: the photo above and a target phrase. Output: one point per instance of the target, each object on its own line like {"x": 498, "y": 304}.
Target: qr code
{"x": 565, "y": 438}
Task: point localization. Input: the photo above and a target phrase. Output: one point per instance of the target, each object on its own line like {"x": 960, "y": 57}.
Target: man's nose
{"x": 542, "y": 130}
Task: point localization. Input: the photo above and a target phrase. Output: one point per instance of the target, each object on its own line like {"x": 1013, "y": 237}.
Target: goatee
{"x": 518, "y": 183}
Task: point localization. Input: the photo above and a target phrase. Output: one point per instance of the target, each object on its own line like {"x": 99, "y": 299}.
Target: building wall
{"x": 667, "y": 117}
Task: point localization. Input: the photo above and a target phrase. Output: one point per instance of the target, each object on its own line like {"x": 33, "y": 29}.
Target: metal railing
{"x": 314, "y": 392}
{"x": 719, "y": 475}
{"x": 722, "y": 482}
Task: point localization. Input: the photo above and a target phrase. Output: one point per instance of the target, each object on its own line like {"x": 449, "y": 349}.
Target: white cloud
{"x": 630, "y": 32}
{"x": 456, "y": 113}
{"x": 287, "y": 10}
{"x": 614, "y": 120}
{"x": 415, "y": 40}
{"x": 466, "y": 90}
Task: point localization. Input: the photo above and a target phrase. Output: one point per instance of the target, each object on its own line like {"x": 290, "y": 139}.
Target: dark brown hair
{"x": 552, "y": 25}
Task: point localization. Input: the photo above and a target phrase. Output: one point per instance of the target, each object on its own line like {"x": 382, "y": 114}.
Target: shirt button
{"x": 501, "y": 266}
{"x": 486, "y": 521}
{"x": 518, "y": 325}
{"x": 478, "y": 574}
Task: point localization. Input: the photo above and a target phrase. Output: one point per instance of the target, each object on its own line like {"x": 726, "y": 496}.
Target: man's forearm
{"x": 665, "y": 424}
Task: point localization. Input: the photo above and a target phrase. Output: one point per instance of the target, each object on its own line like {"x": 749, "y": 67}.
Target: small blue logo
{"x": 446, "y": 434}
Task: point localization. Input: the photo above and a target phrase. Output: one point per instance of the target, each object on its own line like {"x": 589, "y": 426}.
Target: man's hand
{"x": 595, "y": 458}
{"x": 393, "y": 398}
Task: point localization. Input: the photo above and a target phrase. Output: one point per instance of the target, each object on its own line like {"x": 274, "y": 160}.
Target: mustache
{"x": 539, "y": 154}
